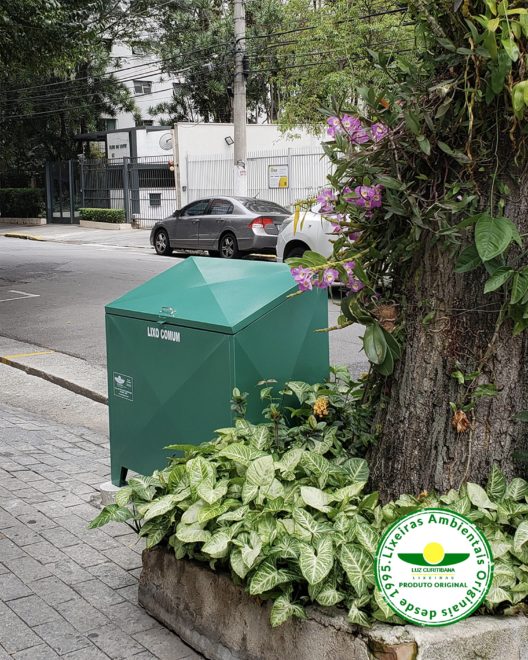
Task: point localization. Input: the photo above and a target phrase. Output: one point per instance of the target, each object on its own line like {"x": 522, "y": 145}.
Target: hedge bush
{"x": 21, "y": 202}
{"x": 103, "y": 215}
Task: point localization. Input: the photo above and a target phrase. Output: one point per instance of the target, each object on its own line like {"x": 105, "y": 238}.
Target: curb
{"x": 57, "y": 380}
{"x": 27, "y": 237}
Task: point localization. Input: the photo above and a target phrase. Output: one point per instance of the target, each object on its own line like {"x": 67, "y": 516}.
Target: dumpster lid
{"x": 214, "y": 294}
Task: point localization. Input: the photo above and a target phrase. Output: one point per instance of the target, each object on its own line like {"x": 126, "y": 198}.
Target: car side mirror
{"x": 175, "y": 214}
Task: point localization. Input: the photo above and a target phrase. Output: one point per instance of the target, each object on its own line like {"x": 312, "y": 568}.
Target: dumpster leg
{"x": 118, "y": 475}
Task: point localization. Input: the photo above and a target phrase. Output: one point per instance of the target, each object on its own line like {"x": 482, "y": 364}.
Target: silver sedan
{"x": 224, "y": 226}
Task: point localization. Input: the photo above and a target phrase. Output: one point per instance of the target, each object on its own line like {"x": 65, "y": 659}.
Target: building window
{"x": 143, "y": 86}
{"x": 144, "y": 122}
{"x": 108, "y": 124}
{"x": 155, "y": 199}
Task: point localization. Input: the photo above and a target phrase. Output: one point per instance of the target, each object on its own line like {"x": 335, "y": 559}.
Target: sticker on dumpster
{"x": 123, "y": 386}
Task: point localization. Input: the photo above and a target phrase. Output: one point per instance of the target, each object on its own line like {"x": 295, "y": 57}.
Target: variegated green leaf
{"x": 240, "y": 453}
{"x": 111, "y": 513}
{"x": 251, "y": 550}
{"x": 237, "y": 563}
{"x": 357, "y": 564}
{"x": 367, "y": 537}
{"x": 316, "y": 498}
{"x": 267, "y": 577}
{"x": 123, "y": 495}
{"x": 479, "y": 497}
{"x": 212, "y": 494}
{"x": 192, "y": 534}
{"x": 261, "y": 471}
{"x": 282, "y": 610}
{"x": 217, "y": 546}
{"x": 198, "y": 470}
{"x": 357, "y": 469}
{"x": 517, "y": 489}
{"x": 355, "y": 615}
{"x": 316, "y": 563}
{"x": 496, "y": 486}
{"x": 521, "y": 536}
{"x": 160, "y": 506}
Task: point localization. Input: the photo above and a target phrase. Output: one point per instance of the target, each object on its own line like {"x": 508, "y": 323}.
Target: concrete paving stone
{"x": 85, "y": 511}
{"x": 59, "y": 536}
{"x": 164, "y": 644}
{"x": 27, "y": 459}
{"x": 98, "y": 539}
{"x": 130, "y": 592}
{"x": 115, "y": 643}
{"x": 69, "y": 571}
{"x": 40, "y": 652}
{"x": 66, "y": 498}
{"x": 51, "y": 508}
{"x": 81, "y": 615}
{"x": 87, "y": 653}
{"x": 61, "y": 636}
{"x": 21, "y": 535}
{"x": 27, "y": 569}
{"x": 4, "y": 569}
{"x": 46, "y": 486}
{"x": 15, "y": 635}
{"x": 98, "y": 593}
{"x": 8, "y": 550}
{"x": 84, "y": 555}
{"x": 53, "y": 590}
{"x": 16, "y": 506}
{"x": 36, "y": 520}
{"x": 11, "y": 587}
{"x": 112, "y": 575}
{"x": 33, "y": 610}
{"x": 146, "y": 655}
{"x": 124, "y": 557}
{"x": 131, "y": 618}
{"x": 6, "y": 519}
{"x": 44, "y": 552}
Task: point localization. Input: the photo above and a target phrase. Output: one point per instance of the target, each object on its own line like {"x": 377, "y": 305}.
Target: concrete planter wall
{"x": 22, "y": 221}
{"x": 221, "y": 621}
{"x": 105, "y": 225}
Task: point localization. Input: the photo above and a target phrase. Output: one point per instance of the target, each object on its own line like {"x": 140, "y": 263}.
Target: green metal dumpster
{"x": 178, "y": 344}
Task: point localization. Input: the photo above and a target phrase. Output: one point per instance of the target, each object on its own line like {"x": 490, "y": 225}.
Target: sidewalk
{"x": 125, "y": 238}
{"x": 67, "y": 591}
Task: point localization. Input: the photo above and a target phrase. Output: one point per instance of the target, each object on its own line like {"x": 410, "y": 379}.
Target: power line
{"x": 110, "y": 73}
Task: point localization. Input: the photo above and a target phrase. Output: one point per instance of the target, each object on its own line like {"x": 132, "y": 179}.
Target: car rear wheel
{"x": 228, "y": 247}
{"x": 161, "y": 243}
{"x": 295, "y": 252}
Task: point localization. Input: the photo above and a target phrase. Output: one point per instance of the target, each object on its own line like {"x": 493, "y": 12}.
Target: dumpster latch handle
{"x": 166, "y": 311}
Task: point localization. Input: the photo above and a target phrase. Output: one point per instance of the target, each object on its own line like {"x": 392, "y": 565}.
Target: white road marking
{"x": 22, "y": 296}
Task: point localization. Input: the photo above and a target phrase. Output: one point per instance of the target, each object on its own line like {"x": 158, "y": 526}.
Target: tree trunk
{"x": 418, "y": 448}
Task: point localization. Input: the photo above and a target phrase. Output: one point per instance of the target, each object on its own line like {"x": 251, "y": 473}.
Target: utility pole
{"x": 239, "y": 101}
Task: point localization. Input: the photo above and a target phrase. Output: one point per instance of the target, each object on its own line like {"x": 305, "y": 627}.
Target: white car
{"x": 313, "y": 233}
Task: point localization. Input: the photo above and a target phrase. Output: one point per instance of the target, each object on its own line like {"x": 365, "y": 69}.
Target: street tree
{"x": 430, "y": 201}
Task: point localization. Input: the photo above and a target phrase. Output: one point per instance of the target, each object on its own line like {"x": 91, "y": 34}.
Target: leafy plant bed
{"x": 281, "y": 506}
{"x": 221, "y": 621}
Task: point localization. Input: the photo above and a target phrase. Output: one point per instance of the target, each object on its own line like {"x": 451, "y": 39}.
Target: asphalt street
{"x": 53, "y": 295}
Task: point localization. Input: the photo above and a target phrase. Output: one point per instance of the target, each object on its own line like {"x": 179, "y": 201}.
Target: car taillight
{"x": 260, "y": 223}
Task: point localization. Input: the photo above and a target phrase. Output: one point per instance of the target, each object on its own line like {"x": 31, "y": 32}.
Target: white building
{"x": 141, "y": 73}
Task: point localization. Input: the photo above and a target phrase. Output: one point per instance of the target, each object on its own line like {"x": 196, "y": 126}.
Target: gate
{"x": 143, "y": 187}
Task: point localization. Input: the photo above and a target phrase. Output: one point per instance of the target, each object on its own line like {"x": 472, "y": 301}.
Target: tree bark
{"x": 418, "y": 448}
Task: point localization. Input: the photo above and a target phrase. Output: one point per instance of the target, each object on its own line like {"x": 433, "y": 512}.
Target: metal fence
{"x": 306, "y": 172}
{"x": 145, "y": 187}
